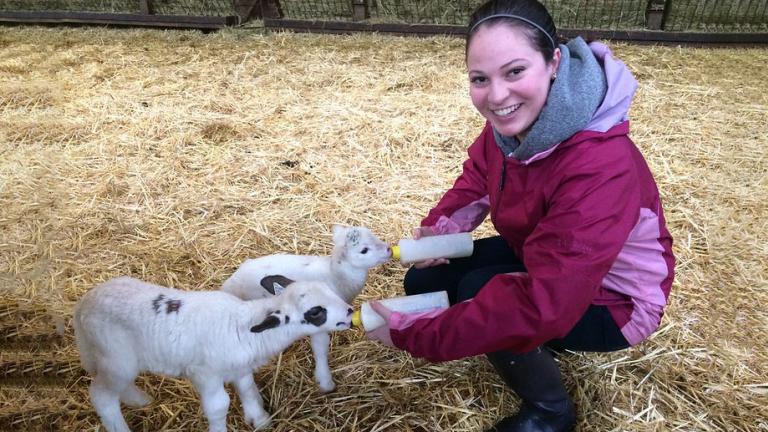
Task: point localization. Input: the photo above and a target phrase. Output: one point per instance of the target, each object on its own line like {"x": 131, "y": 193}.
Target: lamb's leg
{"x": 321, "y": 343}
{"x": 214, "y": 399}
{"x": 105, "y": 396}
{"x": 253, "y": 405}
{"x": 134, "y": 397}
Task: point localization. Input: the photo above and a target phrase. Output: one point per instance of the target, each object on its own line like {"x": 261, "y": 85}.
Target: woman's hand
{"x": 426, "y": 232}
{"x": 381, "y": 334}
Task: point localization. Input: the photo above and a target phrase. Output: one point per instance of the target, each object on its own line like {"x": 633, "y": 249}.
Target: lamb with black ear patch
{"x": 355, "y": 251}
{"x": 126, "y": 326}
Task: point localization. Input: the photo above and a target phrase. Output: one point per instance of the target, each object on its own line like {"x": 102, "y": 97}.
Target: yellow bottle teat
{"x": 356, "y": 321}
{"x": 396, "y": 252}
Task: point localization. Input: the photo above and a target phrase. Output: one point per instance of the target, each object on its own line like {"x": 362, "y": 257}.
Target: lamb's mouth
{"x": 506, "y": 111}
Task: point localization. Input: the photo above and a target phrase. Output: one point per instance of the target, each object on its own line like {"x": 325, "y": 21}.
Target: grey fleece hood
{"x": 572, "y": 101}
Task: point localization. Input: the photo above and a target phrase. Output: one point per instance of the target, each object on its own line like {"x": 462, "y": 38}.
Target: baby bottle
{"x": 436, "y": 246}
{"x": 367, "y": 318}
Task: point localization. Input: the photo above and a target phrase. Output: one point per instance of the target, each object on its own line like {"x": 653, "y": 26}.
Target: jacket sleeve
{"x": 591, "y": 213}
{"x": 463, "y": 207}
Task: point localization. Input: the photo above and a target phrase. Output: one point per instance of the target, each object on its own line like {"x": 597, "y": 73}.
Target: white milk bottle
{"x": 437, "y": 246}
{"x": 367, "y": 318}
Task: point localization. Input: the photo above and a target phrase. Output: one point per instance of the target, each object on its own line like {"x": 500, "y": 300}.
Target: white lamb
{"x": 356, "y": 250}
{"x": 126, "y": 326}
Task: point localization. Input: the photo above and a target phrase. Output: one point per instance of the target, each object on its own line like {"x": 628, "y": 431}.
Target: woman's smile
{"x": 506, "y": 112}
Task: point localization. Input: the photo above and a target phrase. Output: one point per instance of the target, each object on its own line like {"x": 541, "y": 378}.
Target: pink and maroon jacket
{"x": 586, "y": 219}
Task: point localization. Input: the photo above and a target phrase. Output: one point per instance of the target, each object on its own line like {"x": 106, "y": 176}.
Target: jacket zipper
{"x": 501, "y": 180}
{"x": 503, "y": 174}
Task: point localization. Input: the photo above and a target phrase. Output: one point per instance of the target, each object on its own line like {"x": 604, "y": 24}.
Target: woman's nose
{"x": 497, "y": 92}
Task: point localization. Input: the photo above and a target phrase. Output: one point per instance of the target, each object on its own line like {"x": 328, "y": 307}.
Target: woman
{"x": 583, "y": 260}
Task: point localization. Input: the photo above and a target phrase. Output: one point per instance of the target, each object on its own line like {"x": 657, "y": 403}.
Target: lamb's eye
{"x": 364, "y": 251}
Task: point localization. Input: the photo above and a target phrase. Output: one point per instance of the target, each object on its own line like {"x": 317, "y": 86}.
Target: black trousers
{"x": 463, "y": 278}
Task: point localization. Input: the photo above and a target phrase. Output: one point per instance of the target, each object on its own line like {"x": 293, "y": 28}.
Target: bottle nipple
{"x": 356, "y": 320}
{"x": 396, "y": 252}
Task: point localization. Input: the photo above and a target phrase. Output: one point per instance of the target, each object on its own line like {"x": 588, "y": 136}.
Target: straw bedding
{"x": 172, "y": 156}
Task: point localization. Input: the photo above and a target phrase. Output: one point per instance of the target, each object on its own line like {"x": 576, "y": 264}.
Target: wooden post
{"x": 246, "y": 8}
{"x": 656, "y": 13}
{"x": 271, "y": 9}
{"x": 257, "y": 9}
{"x": 146, "y": 7}
{"x": 360, "y": 10}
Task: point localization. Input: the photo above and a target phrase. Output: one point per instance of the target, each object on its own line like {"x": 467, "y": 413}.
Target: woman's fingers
{"x": 422, "y": 232}
{"x": 380, "y": 309}
{"x": 431, "y": 263}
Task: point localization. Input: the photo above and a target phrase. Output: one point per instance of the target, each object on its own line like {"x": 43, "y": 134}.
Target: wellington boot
{"x": 535, "y": 377}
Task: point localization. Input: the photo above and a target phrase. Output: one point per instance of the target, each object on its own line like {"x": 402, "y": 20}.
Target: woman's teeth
{"x": 506, "y": 111}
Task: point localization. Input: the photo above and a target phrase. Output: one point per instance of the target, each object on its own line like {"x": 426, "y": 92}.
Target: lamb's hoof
{"x": 136, "y": 398}
{"x": 258, "y": 421}
{"x": 327, "y": 387}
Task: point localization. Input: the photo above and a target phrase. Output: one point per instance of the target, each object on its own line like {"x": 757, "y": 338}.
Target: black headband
{"x": 517, "y": 17}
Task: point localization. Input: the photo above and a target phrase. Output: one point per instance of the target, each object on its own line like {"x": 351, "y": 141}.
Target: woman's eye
{"x": 515, "y": 71}
{"x": 364, "y": 251}
{"x": 477, "y": 80}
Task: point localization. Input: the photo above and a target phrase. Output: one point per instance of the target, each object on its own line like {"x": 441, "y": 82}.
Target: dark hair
{"x": 544, "y": 38}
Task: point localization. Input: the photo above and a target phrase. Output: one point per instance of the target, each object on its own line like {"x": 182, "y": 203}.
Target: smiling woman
{"x": 583, "y": 259}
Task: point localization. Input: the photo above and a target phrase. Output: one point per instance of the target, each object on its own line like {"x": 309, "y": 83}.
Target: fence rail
{"x": 715, "y": 21}
{"x": 208, "y": 14}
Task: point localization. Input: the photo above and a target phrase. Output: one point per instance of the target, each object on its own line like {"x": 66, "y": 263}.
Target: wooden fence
{"x": 675, "y": 21}
{"x": 145, "y": 16}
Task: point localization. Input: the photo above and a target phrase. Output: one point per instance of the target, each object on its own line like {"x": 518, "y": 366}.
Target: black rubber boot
{"x": 535, "y": 377}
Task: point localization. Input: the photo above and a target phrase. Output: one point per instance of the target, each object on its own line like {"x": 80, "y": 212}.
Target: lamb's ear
{"x": 339, "y": 234}
{"x": 268, "y": 323}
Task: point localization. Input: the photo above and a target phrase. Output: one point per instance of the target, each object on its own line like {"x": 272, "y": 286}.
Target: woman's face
{"x": 508, "y": 78}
